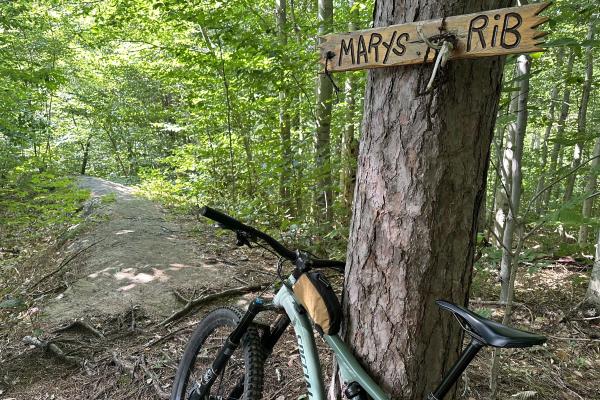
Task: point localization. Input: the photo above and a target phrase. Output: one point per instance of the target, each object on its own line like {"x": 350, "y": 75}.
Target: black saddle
{"x": 490, "y": 332}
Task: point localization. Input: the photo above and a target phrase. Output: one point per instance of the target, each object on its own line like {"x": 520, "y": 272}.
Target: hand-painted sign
{"x": 484, "y": 34}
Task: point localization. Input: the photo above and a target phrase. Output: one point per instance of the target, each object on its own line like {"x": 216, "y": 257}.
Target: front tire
{"x": 245, "y": 364}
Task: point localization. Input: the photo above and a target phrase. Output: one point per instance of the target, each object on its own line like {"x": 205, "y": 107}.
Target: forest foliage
{"x": 186, "y": 100}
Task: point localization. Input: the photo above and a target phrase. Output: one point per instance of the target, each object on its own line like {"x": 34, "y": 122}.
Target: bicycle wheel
{"x": 242, "y": 378}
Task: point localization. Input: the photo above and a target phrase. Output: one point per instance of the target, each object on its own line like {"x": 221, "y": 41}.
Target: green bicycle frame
{"x": 350, "y": 369}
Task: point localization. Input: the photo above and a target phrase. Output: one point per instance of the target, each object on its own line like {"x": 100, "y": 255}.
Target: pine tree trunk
{"x": 324, "y": 190}
{"x": 517, "y": 129}
{"x": 421, "y": 177}
{"x": 590, "y": 185}
{"x": 560, "y": 129}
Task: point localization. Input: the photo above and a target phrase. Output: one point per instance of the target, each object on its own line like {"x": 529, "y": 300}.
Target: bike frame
{"x": 350, "y": 369}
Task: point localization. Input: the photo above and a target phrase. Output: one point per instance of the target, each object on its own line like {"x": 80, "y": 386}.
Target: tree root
{"x": 55, "y": 350}
{"x": 192, "y": 303}
{"x": 83, "y": 325}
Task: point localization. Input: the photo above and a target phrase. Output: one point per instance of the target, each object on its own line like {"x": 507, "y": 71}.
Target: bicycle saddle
{"x": 490, "y": 332}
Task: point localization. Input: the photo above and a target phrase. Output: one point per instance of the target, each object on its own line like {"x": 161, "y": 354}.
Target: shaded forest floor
{"x": 101, "y": 290}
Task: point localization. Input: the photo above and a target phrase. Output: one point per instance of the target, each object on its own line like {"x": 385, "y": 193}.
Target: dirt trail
{"x": 138, "y": 256}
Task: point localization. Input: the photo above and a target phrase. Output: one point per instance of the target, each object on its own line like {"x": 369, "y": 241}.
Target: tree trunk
{"x": 575, "y": 162}
{"x": 590, "y": 185}
{"x": 86, "y": 154}
{"x": 285, "y": 177}
{"x": 593, "y": 292}
{"x": 297, "y": 128}
{"x": 517, "y": 129}
{"x": 348, "y": 152}
{"x": 421, "y": 177}
{"x": 501, "y": 196}
{"x": 324, "y": 192}
{"x": 539, "y": 206}
{"x": 590, "y": 188}
{"x": 560, "y": 129}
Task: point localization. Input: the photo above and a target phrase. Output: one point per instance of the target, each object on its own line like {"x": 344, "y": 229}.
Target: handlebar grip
{"x": 337, "y": 265}
{"x": 226, "y": 220}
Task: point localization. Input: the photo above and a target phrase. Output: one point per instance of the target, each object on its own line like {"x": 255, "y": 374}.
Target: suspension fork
{"x": 231, "y": 343}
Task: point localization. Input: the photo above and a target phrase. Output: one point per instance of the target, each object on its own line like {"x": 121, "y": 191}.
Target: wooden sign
{"x": 488, "y": 33}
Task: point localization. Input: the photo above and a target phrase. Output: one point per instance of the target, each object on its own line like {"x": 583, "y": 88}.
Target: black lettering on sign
{"x": 473, "y": 28}
{"x": 401, "y": 47}
{"x": 388, "y": 46}
{"x": 375, "y": 44}
{"x": 345, "y": 49}
{"x": 361, "y": 50}
{"x": 518, "y": 20}
{"x": 495, "y": 31}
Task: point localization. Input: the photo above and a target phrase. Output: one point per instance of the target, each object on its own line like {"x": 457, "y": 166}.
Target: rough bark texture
{"x": 421, "y": 178}
{"x": 323, "y": 194}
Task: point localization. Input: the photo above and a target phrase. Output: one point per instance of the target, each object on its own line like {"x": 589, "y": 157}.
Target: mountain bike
{"x": 225, "y": 356}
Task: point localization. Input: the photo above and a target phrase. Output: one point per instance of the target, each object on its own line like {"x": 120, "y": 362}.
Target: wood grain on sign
{"x": 488, "y": 33}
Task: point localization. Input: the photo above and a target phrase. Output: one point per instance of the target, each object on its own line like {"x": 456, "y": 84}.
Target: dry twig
{"x": 196, "y": 302}
{"x": 63, "y": 264}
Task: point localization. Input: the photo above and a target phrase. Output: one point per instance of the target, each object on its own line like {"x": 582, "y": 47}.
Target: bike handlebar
{"x": 235, "y": 225}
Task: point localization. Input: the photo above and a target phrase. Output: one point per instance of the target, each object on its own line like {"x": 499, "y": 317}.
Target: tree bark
{"x": 323, "y": 190}
{"x": 590, "y": 184}
{"x": 560, "y": 129}
{"x": 86, "y": 154}
{"x": 421, "y": 177}
{"x": 285, "y": 176}
{"x": 501, "y": 197}
{"x": 517, "y": 129}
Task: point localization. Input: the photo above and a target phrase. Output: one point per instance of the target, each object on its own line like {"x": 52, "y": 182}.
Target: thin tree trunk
{"x": 590, "y": 185}
{"x": 593, "y": 292}
{"x": 501, "y": 197}
{"x": 590, "y": 188}
{"x": 570, "y": 184}
{"x": 417, "y": 197}
{"x": 324, "y": 191}
{"x": 560, "y": 129}
{"x": 518, "y": 129}
{"x": 544, "y": 156}
{"x": 348, "y": 153}
{"x": 298, "y": 166}
{"x": 491, "y": 221}
{"x": 86, "y": 152}
{"x": 285, "y": 176}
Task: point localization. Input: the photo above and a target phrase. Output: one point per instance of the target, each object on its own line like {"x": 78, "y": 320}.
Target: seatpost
{"x": 457, "y": 369}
